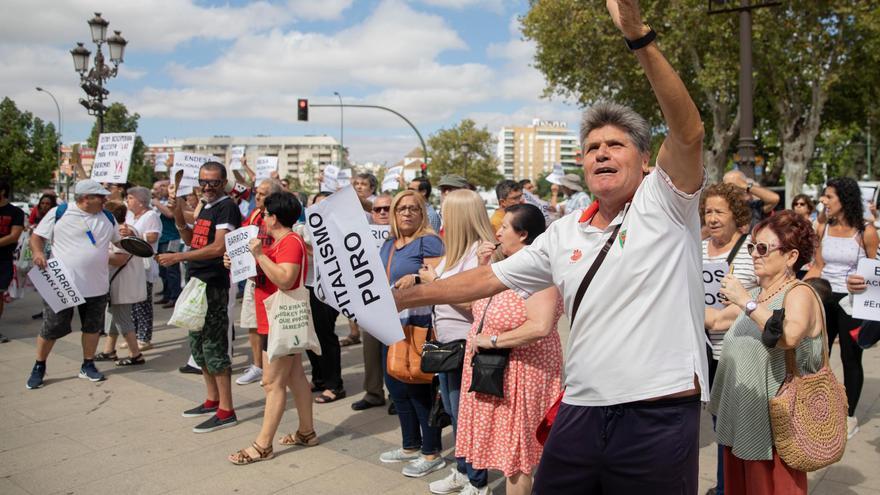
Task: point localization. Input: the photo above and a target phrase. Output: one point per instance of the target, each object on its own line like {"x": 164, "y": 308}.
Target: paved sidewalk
{"x": 126, "y": 435}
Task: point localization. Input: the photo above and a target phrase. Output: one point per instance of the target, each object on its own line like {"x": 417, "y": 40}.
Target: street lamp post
{"x": 60, "y": 134}
{"x": 92, "y": 81}
{"x": 466, "y": 151}
{"x": 341, "y": 131}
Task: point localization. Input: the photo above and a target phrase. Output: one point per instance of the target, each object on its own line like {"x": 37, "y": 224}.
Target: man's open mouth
{"x": 605, "y": 170}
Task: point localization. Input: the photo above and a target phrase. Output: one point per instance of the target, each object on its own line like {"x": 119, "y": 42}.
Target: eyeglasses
{"x": 382, "y": 209}
{"x": 414, "y": 210}
{"x": 210, "y": 182}
{"x": 762, "y": 248}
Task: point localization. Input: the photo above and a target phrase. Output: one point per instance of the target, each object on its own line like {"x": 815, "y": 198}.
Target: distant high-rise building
{"x": 527, "y": 152}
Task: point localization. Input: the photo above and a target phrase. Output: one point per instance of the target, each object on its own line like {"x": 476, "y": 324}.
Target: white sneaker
{"x": 472, "y": 490}
{"x": 423, "y": 467}
{"x": 398, "y": 455}
{"x": 852, "y": 426}
{"x": 450, "y": 484}
{"x": 253, "y": 374}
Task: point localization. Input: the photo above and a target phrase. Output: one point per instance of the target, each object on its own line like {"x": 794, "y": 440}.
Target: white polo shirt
{"x": 638, "y": 333}
{"x": 87, "y": 260}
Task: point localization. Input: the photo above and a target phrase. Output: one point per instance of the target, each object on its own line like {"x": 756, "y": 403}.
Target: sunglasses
{"x": 762, "y": 248}
{"x": 800, "y": 204}
{"x": 210, "y": 182}
{"x": 381, "y": 209}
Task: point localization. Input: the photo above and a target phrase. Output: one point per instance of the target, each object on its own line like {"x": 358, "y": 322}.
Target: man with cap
{"x": 449, "y": 183}
{"x": 571, "y": 188}
{"x": 81, "y": 233}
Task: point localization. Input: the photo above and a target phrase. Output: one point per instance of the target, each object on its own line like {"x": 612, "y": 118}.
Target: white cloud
{"x": 492, "y": 5}
{"x": 323, "y": 10}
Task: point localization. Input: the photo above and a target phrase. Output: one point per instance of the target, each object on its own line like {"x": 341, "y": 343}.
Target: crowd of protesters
{"x": 621, "y": 256}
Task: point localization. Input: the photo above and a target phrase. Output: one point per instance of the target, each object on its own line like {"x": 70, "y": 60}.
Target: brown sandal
{"x": 242, "y": 458}
{"x": 298, "y": 438}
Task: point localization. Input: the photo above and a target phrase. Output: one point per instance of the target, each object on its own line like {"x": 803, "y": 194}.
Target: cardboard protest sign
{"x": 867, "y": 304}
{"x": 55, "y": 285}
{"x": 712, "y": 274}
{"x": 113, "y": 157}
{"x": 160, "y": 162}
{"x": 243, "y": 263}
{"x": 380, "y": 233}
{"x": 392, "y": 179}
{"x": 189, "y": 163}
{"x": 329, "y": 184}
{"x": 236, "y": 154}
{"x": 264, "y": 166}
{"x": 556, "y": 175}
{"x": 548, "y": 211}
{"x": 349, "y": 276}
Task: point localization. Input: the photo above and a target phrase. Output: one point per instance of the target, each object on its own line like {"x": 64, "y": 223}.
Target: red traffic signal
{"x": 302, "y": 110}
{"x": 424, "y": 167}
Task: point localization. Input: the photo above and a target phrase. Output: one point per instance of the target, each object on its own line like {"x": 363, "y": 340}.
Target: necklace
{"x": 762, "y": 299}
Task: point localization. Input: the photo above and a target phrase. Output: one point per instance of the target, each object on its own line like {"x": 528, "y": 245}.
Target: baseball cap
{"x": 88, "y": 186}
{"x": 453, "y": 180}
{"x": 571, "y": 181}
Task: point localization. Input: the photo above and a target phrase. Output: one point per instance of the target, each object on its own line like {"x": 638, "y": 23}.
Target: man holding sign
{"x": 210, "y": 346}
{"x": 81, "y": 234}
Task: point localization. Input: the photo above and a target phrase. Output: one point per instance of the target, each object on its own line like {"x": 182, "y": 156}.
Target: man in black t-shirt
{"x": 219, "y": 215}
{"x": 11, "y": 226}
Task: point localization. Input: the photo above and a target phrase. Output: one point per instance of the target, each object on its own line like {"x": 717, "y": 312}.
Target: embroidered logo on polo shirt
{"x": 622, "y": 238}
{"x": 576, "y": 255}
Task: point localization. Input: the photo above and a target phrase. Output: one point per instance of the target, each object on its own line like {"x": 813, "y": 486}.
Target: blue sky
{"x": 202, "y": 68}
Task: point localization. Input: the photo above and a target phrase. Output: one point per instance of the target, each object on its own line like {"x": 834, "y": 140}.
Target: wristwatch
{"x": 751, "y": 306}
{"x": 642, "y": 42}
{"x": 494, "y": 340}
{"x": 417, "y": 278}
{"x": 749, "y": 185}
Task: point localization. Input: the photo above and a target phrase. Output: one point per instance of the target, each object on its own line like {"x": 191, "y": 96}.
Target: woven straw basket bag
{"x": 808, "y": 414}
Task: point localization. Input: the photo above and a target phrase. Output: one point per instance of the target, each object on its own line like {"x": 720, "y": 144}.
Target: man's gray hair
{"x": 142, "y": 194}
{"x": 275, "y": 185}
{"x": 606, "y": 113}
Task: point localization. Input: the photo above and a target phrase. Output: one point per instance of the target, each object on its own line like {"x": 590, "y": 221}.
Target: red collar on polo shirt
{"x": 589, "y": 212}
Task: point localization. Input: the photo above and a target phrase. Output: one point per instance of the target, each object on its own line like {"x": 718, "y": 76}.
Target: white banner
{"x": 867, "y": 304}
{"x": 160, "y": 162}
{"x": 243, "y": 263}
{"x": 190, "y": 163}
{"x": 55, "y": 285}
{"x": 349, "y": 276}
{"x": 712, "y": 274}
{"x": 391, "y": 181}
{"x": 548, "y": 211}
{"x": 380, "y": 233}
{"x": 236, "y": 154}
{"x": 329, "y": 184}
{"x": 113, "y": 157}
{"x": 264, "y": 166}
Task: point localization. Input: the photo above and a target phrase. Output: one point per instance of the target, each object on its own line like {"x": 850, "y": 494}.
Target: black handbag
{"x": 442, "y": 357}
{"x": 488, "y": 366}
{"x": 438, "y": 417}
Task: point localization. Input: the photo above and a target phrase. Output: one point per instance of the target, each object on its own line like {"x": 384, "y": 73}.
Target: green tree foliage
{"x": 117, "y": 119}
{"x": 447, "y": 156}
{"x": 28, "y": 147}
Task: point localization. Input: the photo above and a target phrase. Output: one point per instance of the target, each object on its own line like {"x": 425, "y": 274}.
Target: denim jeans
{"x": 170, "y": 277}
{"x": 450, "y": 392}
{"x": 413, "y": 404}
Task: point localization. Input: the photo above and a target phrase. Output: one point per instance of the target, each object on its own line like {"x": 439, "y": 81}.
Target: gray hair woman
{"x": 148, "y": 224}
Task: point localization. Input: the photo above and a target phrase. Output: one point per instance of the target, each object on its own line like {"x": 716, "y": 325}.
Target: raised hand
{"x": 627, "y": 18}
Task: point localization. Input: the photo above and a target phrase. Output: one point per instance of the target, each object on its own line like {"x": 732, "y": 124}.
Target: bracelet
{"x": 643, "y": 41}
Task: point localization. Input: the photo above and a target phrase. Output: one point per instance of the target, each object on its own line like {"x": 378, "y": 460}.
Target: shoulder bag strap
{"x": 791, "y": 354}
{"x": 735, "y": 250}
{"x": 390, "y": 255}
{"x": 483, "y": 318}
{"x": 585, "y": 283}
{"x": 130, "y": 256}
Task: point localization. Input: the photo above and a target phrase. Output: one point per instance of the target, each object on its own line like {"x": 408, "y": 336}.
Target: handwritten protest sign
{"x": 329, "y": 184}
{"x": 264, "y": 166}
{"x": 380, "y": 233}
{"x": 55, "y": 285}
{"x": 349, "y": 276}
{"x": 243, "y": 263}
{"x": 712, "y": 275}
{"x": 392, "y": 179}
{"x": 160, "y": 162}
{"x": 236, "y": 154}
{"x": 548, "y": 211}
{"x": 113, "y": 157}
{"x": 190, "y": 163}
{"x": 867, "y": 304}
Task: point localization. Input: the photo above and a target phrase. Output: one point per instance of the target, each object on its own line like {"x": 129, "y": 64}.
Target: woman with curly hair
{"x": 844, "y": 240}
{"x": 803, "y": 206}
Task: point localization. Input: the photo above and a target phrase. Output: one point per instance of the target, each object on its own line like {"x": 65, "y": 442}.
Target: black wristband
{"x": 642, "y": 42}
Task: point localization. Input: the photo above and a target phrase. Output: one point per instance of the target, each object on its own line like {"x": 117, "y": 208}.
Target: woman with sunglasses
{"x": 412, "y": 243}
{"x": 279, "y": 266}
{"x": 845, "y": 239}
{"x": 803, "y": 206}
{"x": 752, "y": 366}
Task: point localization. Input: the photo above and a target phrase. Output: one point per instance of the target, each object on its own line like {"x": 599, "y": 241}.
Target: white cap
{"x": 89, "y": 186}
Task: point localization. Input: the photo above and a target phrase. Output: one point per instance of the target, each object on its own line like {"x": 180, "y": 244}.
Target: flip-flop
{"x": 324, "y": 399}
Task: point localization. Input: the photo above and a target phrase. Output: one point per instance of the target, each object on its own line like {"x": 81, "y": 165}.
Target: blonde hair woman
{"x": 466, "y": 228}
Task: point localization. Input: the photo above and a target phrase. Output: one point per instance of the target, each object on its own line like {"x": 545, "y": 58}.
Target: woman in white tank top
{"x": 844, "y": 240}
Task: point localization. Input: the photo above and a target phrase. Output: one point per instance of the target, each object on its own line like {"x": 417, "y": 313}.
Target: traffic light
{"x": 424, "y": 168}
{"x": 302, "y": 110}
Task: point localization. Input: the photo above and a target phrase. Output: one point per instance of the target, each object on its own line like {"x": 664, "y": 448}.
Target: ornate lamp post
{"x": 92, "y": 80}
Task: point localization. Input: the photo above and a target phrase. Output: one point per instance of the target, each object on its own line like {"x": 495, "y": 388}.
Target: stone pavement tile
{"x": 859, "y": 465}
{"x": 340, "y": 413}
{"x": 360, "y": 477}
{"x": 232, "y": 481}
{"x": 8, "y": 487}
{"x": 116, "y": 484}
{"x": 13, "y": 418}
{"x": 827, "y": 487}
{"x": 297, "y": 464}
{"x": 14, "y": 438}
{"x": 40, "y": 454}
{"x": 173, "y": 472}
{"x": 386, "y": 428}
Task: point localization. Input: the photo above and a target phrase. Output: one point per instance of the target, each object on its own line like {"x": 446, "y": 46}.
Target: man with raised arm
{"x": 635, "y": 370}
